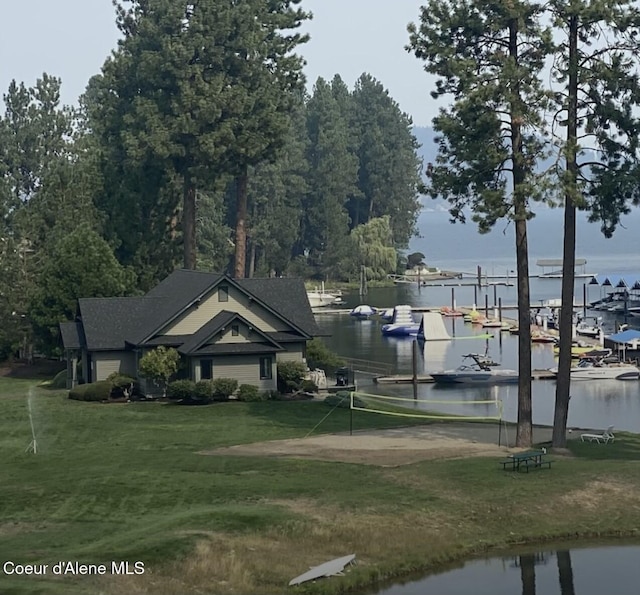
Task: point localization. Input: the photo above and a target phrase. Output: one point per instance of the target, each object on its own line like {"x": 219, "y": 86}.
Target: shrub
{"x": 119, "y": 380}
{"x": 290, "y": 375}
{"x": 159, "y": 365}
{"x": 270, "y": 395}
{"x": 308, "y": 386}
{"x": 96, "y": 391}
{"x": 179, "y": 390}
{"x": 250, "y": 393}
{"x": 343, "y": 399}
{"x": 203, "y": 390}
{"x": 223, "y": 388}
{"x": 59, "y": 380}
{"x": 319, "y": 356}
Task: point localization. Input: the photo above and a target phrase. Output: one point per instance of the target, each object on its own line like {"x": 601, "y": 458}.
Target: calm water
{"x": 594, "y": 404}
{"x": 596, "y": 571}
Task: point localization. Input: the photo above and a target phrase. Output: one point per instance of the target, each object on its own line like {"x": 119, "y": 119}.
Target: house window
{"x": 206, "y": 369}
{"x": 266, "y": 371}
{"x": 235, "y": 330}
{"x": 223, "y": 293}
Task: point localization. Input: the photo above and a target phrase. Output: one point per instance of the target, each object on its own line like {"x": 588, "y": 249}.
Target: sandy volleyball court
{"x": 399, "y": 446}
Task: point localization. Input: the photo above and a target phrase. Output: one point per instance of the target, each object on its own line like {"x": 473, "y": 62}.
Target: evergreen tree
{"x": 389, "y": 167}
{"x": 489, "y": 57}
{"x": 333, "y": 171}
{"x": 596, "y": 69}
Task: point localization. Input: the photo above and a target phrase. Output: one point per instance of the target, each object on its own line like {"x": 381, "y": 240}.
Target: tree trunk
{"x": 524, "y": 428}
{"x": 563, "y": 383}
{"x": 252, "y": 259}
{"x": 189, "y": 223}
{"x": 241, "y": 217}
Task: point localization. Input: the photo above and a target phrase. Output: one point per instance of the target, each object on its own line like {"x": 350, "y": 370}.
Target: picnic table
{"x": 523, "y": 461}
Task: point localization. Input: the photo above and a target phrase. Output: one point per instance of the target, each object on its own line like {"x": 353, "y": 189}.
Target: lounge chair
{"x": 606, "y": 436}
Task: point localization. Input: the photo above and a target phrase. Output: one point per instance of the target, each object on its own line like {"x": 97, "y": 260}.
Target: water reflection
{"x": 592, "y": 571}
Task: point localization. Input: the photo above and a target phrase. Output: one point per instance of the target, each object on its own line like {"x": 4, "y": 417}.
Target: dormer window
{"x": 223, "y": 293}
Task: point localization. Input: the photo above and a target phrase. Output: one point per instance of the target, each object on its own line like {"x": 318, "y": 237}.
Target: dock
{"x": 427, "y": 378}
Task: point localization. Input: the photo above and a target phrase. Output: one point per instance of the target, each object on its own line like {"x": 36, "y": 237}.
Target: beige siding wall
{"x": 294, "y": 353}
{"x": 107, "y": 363}
{"x": 244, "y": 368}
{"x": 243, "y": 335}
{"x": 209, "y": 307}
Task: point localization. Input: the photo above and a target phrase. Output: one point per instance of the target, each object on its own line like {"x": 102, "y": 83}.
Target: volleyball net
{"x": 460, "y": 410}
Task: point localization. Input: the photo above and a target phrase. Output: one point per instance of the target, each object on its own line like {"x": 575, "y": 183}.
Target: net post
{"x": 351, "y": 413}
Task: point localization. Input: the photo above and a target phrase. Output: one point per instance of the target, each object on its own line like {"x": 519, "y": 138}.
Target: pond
{"x": 604, "y": 570}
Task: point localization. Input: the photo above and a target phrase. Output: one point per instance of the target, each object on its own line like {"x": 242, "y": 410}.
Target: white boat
{"x": 476, "y": 371}
{"x": 319, "y": 298}
{"x": 600, "y": 369}
{"x": 589, "y": 330}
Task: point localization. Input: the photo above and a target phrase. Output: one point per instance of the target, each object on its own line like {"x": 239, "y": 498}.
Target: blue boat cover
{"x": 625, "y": 336}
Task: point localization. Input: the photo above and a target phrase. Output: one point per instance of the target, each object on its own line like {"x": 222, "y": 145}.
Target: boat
{"x": 590, "y": 330}
{"x": 362, "y": 312}
{"x": 538, "y": 337}
{"x": 476, "y": 370}
{"x": 597, "y": 368}
{"x": 495, "y": 324}
{"x": 319, "y": 298}
{"x": 402, "y": 324}
{"x": 450, "y": 312}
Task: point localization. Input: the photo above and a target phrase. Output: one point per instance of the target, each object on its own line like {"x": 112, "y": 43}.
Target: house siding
{"x": 197, "y": 316}
{"x": 107, "y": 363}
{"x": 294, "y": 353}
{"x": 245, "y": 369}
{"x": 243, "y": 336}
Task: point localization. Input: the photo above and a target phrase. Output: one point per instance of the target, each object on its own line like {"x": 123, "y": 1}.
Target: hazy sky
{"x": 71, "y": 39}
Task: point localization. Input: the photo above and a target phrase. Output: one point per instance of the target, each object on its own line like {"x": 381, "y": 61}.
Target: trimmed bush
{"x": 180, "y": 390}
{"x": 203, "y": 390}
{"x": 120, "y": 380}
{"x": 270, "y": 395}
{"x": 96, "y": 391}
{"x": 308, "y": 386}
{"x": 59, "y": 380}
{"x": 250, "y": 393}
{"x": 290, "y": 375}
{"x": 223, "y": 388}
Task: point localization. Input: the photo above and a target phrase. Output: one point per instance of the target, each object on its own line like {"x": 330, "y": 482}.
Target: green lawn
{"x": 125, "y": 482}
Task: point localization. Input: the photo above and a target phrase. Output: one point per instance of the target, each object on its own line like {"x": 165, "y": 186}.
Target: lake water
{"x": 594, "y": 404}
{"x": 595, "y": 571}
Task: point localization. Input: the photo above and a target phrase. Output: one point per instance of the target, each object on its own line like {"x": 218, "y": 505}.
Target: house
{"x": 222, "y": 328}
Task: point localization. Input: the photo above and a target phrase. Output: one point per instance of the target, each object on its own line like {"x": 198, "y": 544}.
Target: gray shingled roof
{"x": 72, "y": 335}
{"x": 286, "y": 296}
{"x": 110, "y": 323}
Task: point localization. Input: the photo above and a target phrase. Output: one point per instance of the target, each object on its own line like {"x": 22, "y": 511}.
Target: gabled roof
{"x": 108, "y": 321}
{"x": 111, "y": 323}
{"x": 217, "y": 324}
{"x": 287, "y": 297}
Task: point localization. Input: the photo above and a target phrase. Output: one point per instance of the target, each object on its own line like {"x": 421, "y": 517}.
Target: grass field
{"x": 124, "y": 482}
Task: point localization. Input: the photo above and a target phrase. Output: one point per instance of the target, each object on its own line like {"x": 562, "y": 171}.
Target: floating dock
{"x": 427, "y": 378}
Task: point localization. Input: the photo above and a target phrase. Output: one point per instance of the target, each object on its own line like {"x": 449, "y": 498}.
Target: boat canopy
{"x": 619, "y": 280}
{"x": 628, "y": 336}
